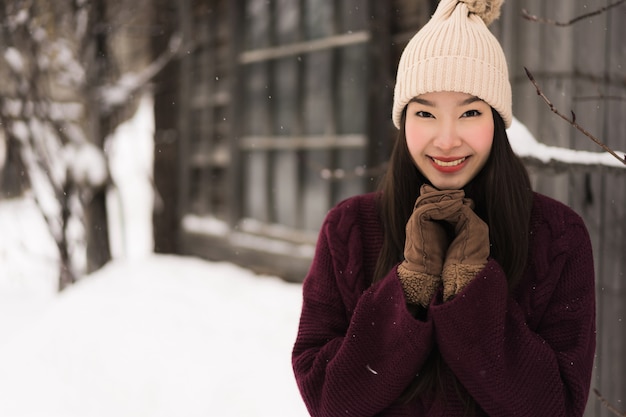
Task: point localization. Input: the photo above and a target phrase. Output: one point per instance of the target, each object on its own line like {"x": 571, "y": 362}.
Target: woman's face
{"x": 449, "y": 136}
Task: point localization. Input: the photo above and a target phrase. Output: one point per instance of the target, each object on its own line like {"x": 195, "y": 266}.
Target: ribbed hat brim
{"x": 454, "y": 51}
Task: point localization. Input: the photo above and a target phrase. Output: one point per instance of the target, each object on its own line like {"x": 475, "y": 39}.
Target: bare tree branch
{"x": 537, "y": 19}
{"x": 572, "y": 121}
{"x": 599, "y": 97}
{"x": 608, "y": 405}
{"x": 116, "y": 95}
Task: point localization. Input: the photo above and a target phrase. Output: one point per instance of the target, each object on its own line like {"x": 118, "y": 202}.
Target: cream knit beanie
{"x": 455, "y": 51}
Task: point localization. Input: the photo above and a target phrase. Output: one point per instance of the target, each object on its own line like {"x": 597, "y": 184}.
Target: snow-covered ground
{"x": 147, "y": 335}
{"x": 152, "y": 336}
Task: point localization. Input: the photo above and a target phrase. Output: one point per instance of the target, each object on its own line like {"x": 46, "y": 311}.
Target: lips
{"x": 448, "y": 165}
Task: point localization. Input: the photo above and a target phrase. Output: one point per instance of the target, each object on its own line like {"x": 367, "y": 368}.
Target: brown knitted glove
{"x": 426, "y": 243}
{"x": 468, "y": 252}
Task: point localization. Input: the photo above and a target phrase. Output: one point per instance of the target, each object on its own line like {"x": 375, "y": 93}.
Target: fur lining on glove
{"x": 419, "y": 287}
{"x": 456, "y": 277}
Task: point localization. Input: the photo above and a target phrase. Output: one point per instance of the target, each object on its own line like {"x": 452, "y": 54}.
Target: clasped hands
{"x": 446, "y": 244}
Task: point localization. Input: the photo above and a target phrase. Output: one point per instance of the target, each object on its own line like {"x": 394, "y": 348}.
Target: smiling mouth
{"x": 448, "y": 163}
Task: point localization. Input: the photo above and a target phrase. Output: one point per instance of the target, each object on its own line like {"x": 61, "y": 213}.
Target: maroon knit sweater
{"x": 529, "y": 353}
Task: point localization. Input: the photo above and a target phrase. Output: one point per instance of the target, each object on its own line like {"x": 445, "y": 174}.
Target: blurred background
{"x": 268, "y": 113}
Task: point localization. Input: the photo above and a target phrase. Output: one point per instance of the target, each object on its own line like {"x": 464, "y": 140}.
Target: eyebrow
{"x": 465, "y": 102}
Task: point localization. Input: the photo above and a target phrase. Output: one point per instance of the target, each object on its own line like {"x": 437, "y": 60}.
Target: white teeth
{"x": 449, "y": 164}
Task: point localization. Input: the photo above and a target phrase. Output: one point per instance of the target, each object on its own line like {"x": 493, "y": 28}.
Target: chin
{"x": 442, "y": 185}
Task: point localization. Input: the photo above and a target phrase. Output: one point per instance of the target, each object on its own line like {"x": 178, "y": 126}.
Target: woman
{"x": 454, "y": 290}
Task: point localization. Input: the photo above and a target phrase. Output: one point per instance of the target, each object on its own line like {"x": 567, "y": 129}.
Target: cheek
{"x": 414, "y": 139}
{"x": 411, "y": 144}
{"x": 483, "y": 138}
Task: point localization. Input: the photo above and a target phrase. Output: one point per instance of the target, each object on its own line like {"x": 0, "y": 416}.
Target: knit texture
{"x": 455, "y": 51}
{"x": 529, "y": 353}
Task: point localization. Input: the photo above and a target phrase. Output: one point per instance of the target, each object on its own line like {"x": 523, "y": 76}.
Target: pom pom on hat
{"x": 455, "y": 51}
{"x": 487, "y": 10}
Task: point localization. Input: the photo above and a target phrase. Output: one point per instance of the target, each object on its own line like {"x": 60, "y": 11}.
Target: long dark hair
{"x": 503, "y": 197}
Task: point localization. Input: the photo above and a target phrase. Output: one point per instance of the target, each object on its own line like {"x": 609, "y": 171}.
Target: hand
{"x": 469, "y": 251}
{"x": 426, "y": 243}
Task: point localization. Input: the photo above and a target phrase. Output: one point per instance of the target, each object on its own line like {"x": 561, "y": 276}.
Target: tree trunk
{"x": 13, "y": 176}
{"x": 165, "y": 218}
{"x": 97, "y": 231}
{"x": 96, "y": 222}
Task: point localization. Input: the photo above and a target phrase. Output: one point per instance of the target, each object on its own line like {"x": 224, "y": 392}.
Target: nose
{"x": 447, "y": 138}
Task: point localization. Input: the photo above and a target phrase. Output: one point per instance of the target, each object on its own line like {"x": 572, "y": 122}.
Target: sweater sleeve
{"x": 510, "y": 368}
{"x": 354, "y": 361}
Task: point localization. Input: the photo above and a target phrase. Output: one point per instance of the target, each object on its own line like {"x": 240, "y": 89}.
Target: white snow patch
{"x": 524, "y": 144}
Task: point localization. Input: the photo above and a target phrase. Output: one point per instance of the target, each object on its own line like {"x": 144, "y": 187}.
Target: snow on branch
{"x": 534, "y": 152}
{"x": 572, "y": 120}
{"x": 118, "y": 94}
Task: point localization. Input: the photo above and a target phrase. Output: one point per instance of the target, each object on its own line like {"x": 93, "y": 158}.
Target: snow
{"x": 525, "y": 145}
{"x": 151, "y": 336}
{"x": 130, "y": 202}
{"x": 147, "y": 335}
{"x": 160, "y": 336}
{"x": 86, "y": 164}
{"x": 13, "y": 57}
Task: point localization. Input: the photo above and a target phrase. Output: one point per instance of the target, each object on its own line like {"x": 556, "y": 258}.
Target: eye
{"x": 424, "y": 114}
{"x": 471, "y": 113}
